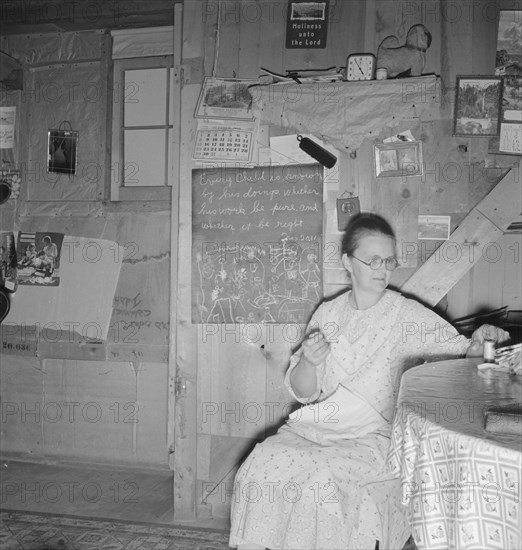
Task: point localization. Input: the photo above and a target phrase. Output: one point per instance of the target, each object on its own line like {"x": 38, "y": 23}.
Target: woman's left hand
{"x": 490, "y": 332}
{"x": 486, "y": 332}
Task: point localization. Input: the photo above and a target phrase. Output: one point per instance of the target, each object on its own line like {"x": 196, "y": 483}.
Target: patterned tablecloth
{"x": 461, "y": 483}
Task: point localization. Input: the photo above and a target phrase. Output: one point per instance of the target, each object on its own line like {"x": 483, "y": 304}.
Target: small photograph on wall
{"x": 398, "y": 159}
{"x": 511, "y": 109}
{"x": 62, "y": 151}
{"x": 434, "y": 228}
{"x": 477, "y": 106}
{"x": 38, "y": 256}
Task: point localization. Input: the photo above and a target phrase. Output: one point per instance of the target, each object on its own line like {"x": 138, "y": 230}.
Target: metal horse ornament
{"x": 407, "y": 60}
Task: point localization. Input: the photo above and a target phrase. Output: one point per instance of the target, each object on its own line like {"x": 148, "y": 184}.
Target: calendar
{"x": 227, "y": 143}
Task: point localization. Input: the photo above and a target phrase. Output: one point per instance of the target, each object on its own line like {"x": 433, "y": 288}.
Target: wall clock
{"x": 360, "y": 66}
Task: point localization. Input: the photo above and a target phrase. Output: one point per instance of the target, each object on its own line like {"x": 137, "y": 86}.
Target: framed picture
{"x": 511, "y": 109}
{"x": 508, "y": 66}
{"x": 477, "y": 106}
{"x": 62, "y": 151}
{"x": 225, "y": 98}
{"x": 308, "y": 11}
{"x": 401, "y": 159}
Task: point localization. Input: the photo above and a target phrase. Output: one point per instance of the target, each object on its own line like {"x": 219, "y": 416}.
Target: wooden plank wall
{"x": 237, "y": 373}
{"x": 471, "y": 241}
{"x": 232, "y": 372}
{"x": 492, "y": 283}
{"x": 131, "y": 366}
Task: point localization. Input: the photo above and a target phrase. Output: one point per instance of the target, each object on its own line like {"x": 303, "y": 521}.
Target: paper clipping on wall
{"x": 89, "y": 272}
{"x": 510, "y": 138}
{"x": 7, "y": 127}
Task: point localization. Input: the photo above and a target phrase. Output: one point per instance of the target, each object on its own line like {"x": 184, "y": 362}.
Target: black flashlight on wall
{"x": 320, "y": 154}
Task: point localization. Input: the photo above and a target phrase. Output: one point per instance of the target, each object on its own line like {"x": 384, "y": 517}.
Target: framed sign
{"x": 398, "y": 159}
{"x": 477, "y": 106}
{"x": 62, "y": 151}
{"x": 306, "y": 24}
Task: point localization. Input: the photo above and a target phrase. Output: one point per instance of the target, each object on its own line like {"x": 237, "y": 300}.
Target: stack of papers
{"x": 330, "y": 74}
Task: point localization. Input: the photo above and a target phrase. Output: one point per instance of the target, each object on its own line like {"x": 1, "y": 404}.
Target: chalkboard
{"x": 256, "y": 244}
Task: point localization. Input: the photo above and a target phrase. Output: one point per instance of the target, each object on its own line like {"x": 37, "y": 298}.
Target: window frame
{"x": 119, "y": 192}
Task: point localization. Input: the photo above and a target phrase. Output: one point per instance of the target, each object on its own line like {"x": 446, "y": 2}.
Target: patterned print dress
{"x": 321, "y": 481}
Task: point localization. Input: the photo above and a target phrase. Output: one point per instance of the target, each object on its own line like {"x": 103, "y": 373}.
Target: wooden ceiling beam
{"x": 34, "y": 16}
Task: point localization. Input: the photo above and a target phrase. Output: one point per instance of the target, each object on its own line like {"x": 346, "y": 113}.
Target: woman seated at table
{"x": 321, "y": 481}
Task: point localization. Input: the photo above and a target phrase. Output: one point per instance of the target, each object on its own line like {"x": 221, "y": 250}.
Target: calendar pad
{"x": 222, "y": 143}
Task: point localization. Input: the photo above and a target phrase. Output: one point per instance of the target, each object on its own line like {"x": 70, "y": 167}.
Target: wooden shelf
{"x": 346, "y": 113}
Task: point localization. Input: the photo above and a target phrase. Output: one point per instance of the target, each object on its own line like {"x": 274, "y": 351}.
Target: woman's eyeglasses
{"x": 391, "y": 263}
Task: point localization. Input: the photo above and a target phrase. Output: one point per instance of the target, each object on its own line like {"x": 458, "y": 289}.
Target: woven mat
{"x": 30, "y": 531}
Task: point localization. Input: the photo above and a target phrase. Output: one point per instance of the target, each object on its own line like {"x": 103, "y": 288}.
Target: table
{"x": 461, "y": 484}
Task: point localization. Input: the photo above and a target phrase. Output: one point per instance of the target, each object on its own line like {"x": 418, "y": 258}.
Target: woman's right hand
{"x": 303, "y": 378}
{"x": 315, "y": 348}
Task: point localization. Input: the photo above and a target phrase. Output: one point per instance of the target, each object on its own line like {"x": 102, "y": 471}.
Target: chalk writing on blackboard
{"x": 256, "y": 244}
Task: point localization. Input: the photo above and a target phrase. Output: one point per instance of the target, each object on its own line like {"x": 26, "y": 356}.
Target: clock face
{"x": 360, "y": 66}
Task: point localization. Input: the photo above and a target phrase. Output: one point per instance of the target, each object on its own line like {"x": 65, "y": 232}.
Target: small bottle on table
{"x": 489, "y": 351}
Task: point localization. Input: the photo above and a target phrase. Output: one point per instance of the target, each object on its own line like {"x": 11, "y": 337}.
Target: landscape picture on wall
{"x": 508, "y": 58}
{"x": 225, "y": 98}
{"x": 508, "y": 65}
{"x": 434, "y": 228}
{"x": 477, "y": 106}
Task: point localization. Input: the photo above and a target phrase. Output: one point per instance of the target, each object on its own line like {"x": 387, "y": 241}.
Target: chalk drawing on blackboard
{"x": 312, "y": 276}
{"x": 240, "y": 289}
{"x": 256, "y": 244}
